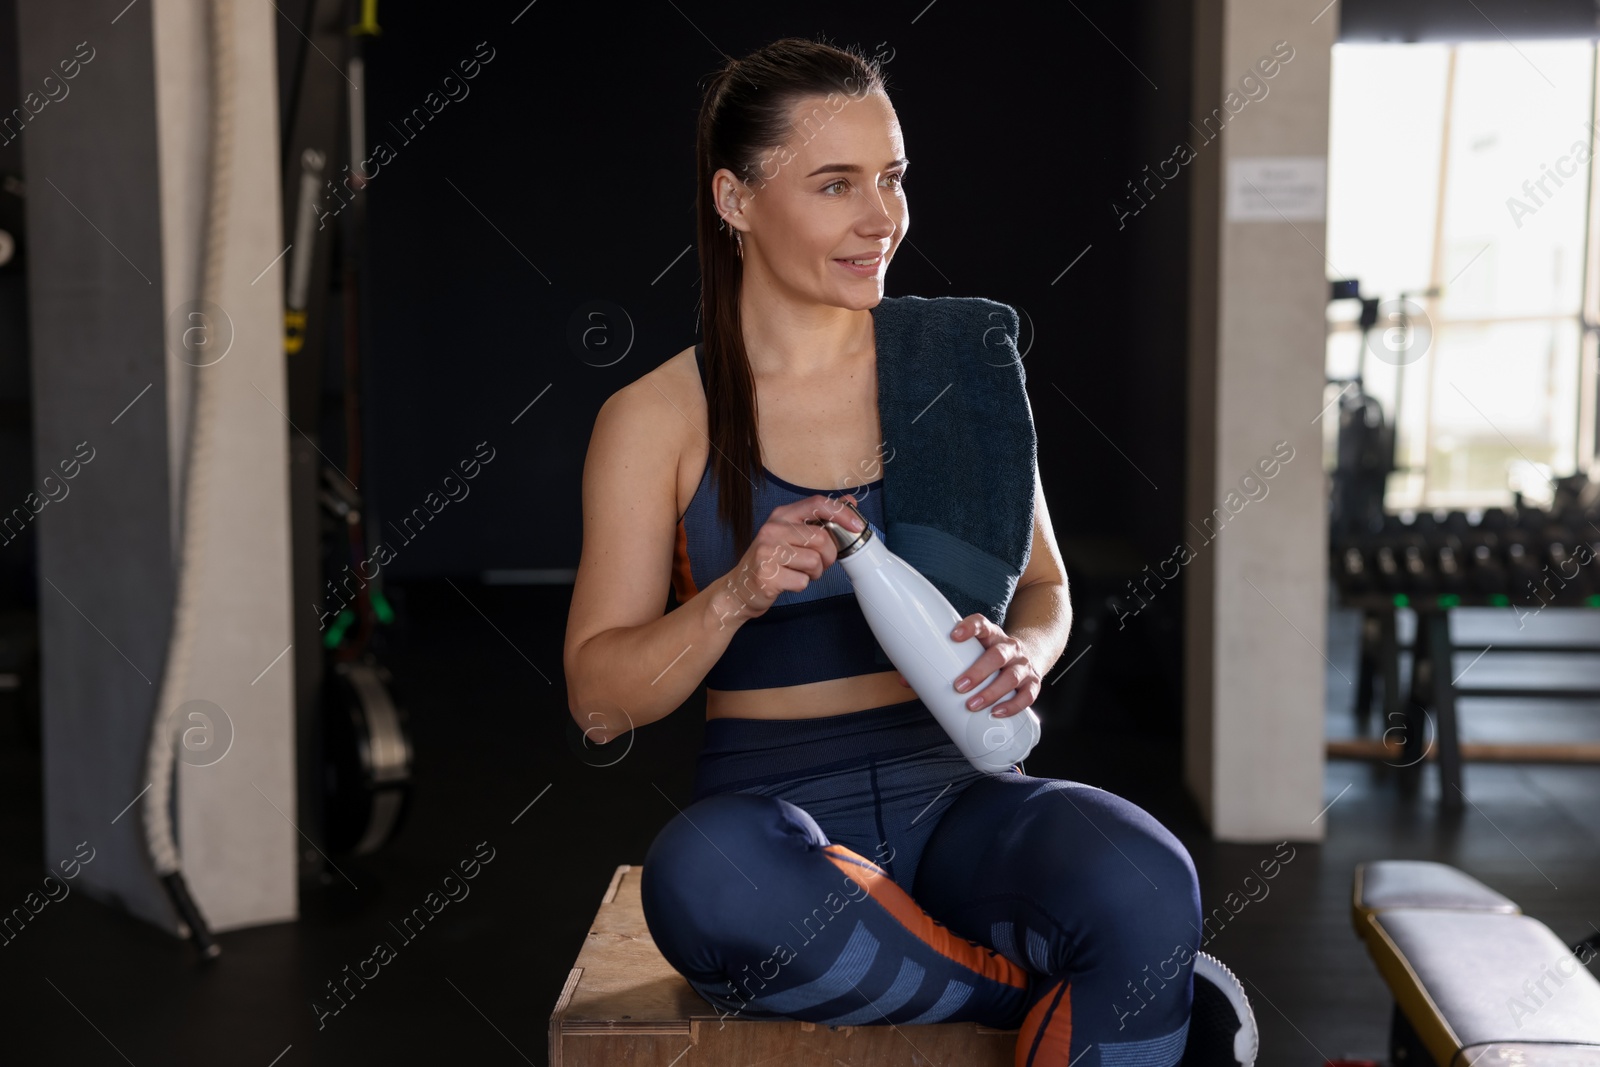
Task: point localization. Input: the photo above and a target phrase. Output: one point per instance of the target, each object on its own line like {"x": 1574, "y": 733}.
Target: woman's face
{"x": 830, "y": 194}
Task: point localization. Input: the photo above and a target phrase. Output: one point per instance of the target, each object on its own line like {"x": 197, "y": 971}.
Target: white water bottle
{"x": 912, "y": 620}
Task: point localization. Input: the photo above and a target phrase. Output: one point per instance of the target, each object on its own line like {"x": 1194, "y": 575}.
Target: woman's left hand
{"x": 1002, "y": 653}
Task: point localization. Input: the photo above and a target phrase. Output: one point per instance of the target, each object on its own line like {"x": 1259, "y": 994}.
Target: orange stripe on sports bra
{"x": 683, "y": 586}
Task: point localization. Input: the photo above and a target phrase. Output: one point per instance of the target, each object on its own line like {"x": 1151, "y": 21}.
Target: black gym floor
{"x": 480, "y": 670}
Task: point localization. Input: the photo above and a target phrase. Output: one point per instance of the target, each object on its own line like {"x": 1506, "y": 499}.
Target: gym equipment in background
{"x": 1475, "y": 980}
{"x": 366, "y": 759}
{"x": 304, "y": 248}
{"x": 1522, "y": 557}
{"x": 353, "y": 742}
{"x": 366, "y": 751}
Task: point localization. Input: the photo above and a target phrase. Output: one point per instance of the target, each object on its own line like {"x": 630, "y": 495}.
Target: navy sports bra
{"x": 809, "y": 636}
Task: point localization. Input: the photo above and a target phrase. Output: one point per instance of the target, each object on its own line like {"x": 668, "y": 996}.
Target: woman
{"x": 1047, "y": 906}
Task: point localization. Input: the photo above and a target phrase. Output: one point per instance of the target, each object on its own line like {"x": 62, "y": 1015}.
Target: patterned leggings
{"x": 1043, "y": 905}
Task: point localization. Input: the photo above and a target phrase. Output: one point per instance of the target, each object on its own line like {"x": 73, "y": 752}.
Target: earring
{"x": 738, "y": 243}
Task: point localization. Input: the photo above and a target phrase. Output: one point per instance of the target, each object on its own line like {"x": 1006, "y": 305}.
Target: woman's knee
{"x": 711, "y": 852}
{"x": 1138, "y": 874}
{"x": 1166, "y": 866}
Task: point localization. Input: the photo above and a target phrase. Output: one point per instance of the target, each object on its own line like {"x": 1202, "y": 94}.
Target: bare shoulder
{"x": 667, "y": 406}
{"x": 664, "y": 398}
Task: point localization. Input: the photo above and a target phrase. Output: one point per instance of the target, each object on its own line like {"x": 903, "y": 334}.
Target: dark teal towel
{"x": 959, "y": 450}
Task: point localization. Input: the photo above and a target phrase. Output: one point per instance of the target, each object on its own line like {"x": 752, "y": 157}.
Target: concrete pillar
{"x": 1256, "y": 593}
{"x": 117, "y": 173}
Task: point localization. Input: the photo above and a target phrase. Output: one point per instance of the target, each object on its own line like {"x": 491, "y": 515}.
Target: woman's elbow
{"x": 601, "y": 719}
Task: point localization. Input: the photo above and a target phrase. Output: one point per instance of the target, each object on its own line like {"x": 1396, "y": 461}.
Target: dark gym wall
{"x": 17, "y": 583}
{"x": 565, "y": 176}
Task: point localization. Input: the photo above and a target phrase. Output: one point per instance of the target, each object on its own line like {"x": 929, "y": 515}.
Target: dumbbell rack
{"x": 1434, "y": 692}
{"x": 1437, "y": 560}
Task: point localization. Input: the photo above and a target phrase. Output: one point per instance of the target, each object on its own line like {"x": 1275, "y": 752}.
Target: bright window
{"x": 1462, "y": 170}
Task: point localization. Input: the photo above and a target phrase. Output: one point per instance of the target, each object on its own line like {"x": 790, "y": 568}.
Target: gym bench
{"x": 1475, "y": 981}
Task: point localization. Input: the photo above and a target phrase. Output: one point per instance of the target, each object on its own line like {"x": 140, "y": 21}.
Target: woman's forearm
{"x": 1040, "y": 617}
{"x": 628, "y": 676}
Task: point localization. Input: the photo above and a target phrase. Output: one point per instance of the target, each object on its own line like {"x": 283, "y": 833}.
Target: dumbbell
{"x": 1568, "y": 579}
{"x": 1524, "y": 556}
{"x": 1591, "y": 569}
{"x": 1351, "y": 570}
{"x": 1486, "y": 574}
{"x": 1446, "y": 549}
{"x": 1416, "y": 554}
{"x": 1388, "y": 571}
{"x": 1522, "y": 567}
{"x": 1450, "y": 563}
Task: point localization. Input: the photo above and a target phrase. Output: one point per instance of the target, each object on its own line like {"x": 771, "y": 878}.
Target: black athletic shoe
{"x": 1222, "y": 1028}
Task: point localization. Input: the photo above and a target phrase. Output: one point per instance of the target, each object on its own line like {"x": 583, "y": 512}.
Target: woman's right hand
{"x": 787, "y": 553}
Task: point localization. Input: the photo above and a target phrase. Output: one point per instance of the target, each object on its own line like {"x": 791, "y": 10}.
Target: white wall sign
{"x": 1277, "y": 188}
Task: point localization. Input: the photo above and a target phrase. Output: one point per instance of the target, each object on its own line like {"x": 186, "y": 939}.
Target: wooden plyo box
{"x": 624, "y": 1006}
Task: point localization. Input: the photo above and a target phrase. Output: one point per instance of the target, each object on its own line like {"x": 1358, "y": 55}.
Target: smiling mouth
{"x": 869, "y": 264}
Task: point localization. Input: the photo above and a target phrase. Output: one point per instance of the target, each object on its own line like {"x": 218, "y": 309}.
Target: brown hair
{"x": 745, "y": 110}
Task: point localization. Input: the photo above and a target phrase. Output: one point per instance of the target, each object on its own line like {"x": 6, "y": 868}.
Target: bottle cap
{"x": 847, "y": 541}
